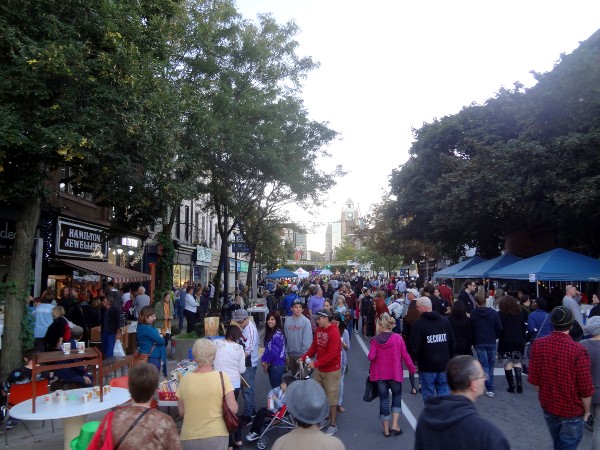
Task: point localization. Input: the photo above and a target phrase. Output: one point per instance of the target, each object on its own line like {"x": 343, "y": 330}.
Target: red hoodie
{"x": 327, "y": 345}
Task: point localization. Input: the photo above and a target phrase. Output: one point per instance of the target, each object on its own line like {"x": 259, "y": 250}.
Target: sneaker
{"x": 323, "y": 423}
{"x": 252, "y": 436}
{"x": 331, "y": 430}
{"x": 490, "y": 394}
{"x": 11, "y": 423}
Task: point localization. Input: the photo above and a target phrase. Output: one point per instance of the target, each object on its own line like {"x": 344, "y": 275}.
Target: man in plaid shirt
{"x": 560, "y": 370}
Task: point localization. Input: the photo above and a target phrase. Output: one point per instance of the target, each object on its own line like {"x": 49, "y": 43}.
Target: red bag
{"x": 102, "y": 439}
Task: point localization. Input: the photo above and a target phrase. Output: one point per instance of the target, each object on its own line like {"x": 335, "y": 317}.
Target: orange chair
{"x": 19, "y": 393}
{"x": 123, "y": 382}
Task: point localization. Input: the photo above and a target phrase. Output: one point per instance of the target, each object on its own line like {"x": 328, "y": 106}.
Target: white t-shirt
{"x": 230, "y": 359}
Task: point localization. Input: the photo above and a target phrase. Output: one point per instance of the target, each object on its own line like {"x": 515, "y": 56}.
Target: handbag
{"x": 141, "y": 358}
{"x": 371, "y": 391}
{"x": 103, "y": 443}
{"x": 231, "y": 420}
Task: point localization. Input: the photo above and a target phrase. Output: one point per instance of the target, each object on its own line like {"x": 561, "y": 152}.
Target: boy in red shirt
{"x": 327, "y": 346}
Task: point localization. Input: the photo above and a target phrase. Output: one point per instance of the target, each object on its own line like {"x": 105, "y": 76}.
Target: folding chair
{"x": 19, "y": 393}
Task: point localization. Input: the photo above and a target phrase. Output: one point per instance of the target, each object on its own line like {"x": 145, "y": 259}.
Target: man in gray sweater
{"x": 298, "y": 335}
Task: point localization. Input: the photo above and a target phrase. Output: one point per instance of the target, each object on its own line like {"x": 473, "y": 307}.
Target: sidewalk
{"x": 43, "y": 439}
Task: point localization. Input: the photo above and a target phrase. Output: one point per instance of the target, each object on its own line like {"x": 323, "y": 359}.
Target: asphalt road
{"x": 519, "y": 416}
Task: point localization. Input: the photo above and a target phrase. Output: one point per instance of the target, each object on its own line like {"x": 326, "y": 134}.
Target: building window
{"x": 66, "y": 185}
{"x": 178, "y": 223}
{"x": 187, "y": 223}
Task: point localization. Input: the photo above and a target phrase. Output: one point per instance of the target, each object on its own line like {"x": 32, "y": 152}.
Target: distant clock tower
{"x": 349, "y": 218}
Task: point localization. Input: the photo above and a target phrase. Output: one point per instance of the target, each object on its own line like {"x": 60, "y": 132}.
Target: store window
{"x": 181, "y": 274}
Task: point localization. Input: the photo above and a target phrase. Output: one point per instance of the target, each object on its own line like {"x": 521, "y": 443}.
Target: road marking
{"x": 407, "y": 413}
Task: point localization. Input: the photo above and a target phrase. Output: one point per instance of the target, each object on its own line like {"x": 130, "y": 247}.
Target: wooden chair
{"x": 19, "y": 393}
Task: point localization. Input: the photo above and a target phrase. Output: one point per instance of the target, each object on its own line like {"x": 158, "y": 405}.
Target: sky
{"x": 388, "y": 66}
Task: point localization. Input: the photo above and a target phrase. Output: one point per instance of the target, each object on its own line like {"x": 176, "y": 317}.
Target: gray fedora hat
{"x": 306, "y": 401}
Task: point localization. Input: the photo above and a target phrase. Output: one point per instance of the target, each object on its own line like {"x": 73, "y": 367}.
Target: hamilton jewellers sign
{"x": 81, "y": 240}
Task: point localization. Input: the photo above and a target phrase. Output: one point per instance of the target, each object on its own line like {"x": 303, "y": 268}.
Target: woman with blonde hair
{"x": 199, "y": 402}
{"x": 387, "y": 353}
{"x": 58, "y": 331}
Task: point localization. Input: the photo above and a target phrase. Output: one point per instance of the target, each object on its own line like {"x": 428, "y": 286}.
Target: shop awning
{"x": 118, "y": 274}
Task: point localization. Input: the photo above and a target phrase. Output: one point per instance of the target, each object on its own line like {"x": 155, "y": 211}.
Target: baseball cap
{"x": 297, "y": 301}
{"x": 294, "y": 288}
{"x": 324, "y": 313}
{"x": 239, "y": 315}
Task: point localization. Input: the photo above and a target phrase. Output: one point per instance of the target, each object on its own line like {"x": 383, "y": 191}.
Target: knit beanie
{"x": 561, "y": 318}
{"x": 592, "y": 326}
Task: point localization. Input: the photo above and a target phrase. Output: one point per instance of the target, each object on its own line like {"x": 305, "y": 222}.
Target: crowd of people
{"x": 452, "y": 340}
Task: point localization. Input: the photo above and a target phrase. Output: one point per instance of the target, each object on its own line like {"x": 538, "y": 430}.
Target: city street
{"x": 518, "y": 416}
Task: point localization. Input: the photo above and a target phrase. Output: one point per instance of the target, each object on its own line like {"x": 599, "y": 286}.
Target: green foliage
{"x": 525, "y": 160}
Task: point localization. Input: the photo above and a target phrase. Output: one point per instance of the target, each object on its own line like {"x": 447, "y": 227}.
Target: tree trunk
{"x": 250, "y": 279}
{"x": 18, "y": 287}
{"x": 164, "y": 274}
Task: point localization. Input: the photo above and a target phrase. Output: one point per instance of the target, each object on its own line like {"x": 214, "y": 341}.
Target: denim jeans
{"x": 180, "y": 316}
{"x": 275, "y": 375}
{"x": 383, "y": 386}
{"x": 350, "y": 325}
{"x": 433, "y": 383}
{"x": 248, "y": 392}
{"x": 487, "y": 357}
{"x": 108, "y": 344}
{"x": 341, "y": 388}
{"x": 566, "y": 433}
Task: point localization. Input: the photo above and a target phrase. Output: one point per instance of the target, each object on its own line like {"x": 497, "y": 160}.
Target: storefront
{"x": 8, "y": 232}
{"x": 84, "y": 258}
{"x": 203, "y": 263}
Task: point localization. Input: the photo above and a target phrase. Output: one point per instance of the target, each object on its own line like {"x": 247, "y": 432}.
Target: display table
{"x": 49, "y": 361}
{"x": 263, "y": 310}
{"x": 74, "y": 411}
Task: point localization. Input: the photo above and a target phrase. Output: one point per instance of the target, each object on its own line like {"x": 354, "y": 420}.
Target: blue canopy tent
{"x": 282, "y": 273}
{"x": 556, "y": 265}
{"x": 451, "y": 271}
{"x": 483, "y": 269}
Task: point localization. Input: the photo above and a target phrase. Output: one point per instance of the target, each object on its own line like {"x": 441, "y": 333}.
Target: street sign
{"x": 240, "y": 247}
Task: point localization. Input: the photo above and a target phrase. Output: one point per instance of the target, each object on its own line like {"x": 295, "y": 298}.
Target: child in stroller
{"x": 275, "y": 402}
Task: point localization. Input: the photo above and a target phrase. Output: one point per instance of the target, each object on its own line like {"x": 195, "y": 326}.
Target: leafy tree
{"x": 526, "y": 160}
{"x": 71, "y": 75}
{"x": 346, "y": 251}
{"x": 262, "y": 147}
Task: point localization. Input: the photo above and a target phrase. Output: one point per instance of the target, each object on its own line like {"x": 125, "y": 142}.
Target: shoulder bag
{"x": 140, "y": 358}
{"x": 98, "y": 443}
{"x": 231, "y": 420}
{"x": 371, "y": 391}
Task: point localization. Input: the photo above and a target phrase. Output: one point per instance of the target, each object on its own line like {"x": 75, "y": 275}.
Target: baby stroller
{"x": 281, "y": 420}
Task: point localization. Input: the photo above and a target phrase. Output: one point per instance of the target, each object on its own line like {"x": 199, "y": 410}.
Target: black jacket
{"x": 113, "y": 321}
{"x": 464, "y": 298}
{"x": 432, "y": 340}
{"x": 452, "y": 422}
{"x": 462, "y": 331}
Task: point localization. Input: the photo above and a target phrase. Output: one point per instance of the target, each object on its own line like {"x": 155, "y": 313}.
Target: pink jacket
{"x": 386, "y": 354}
